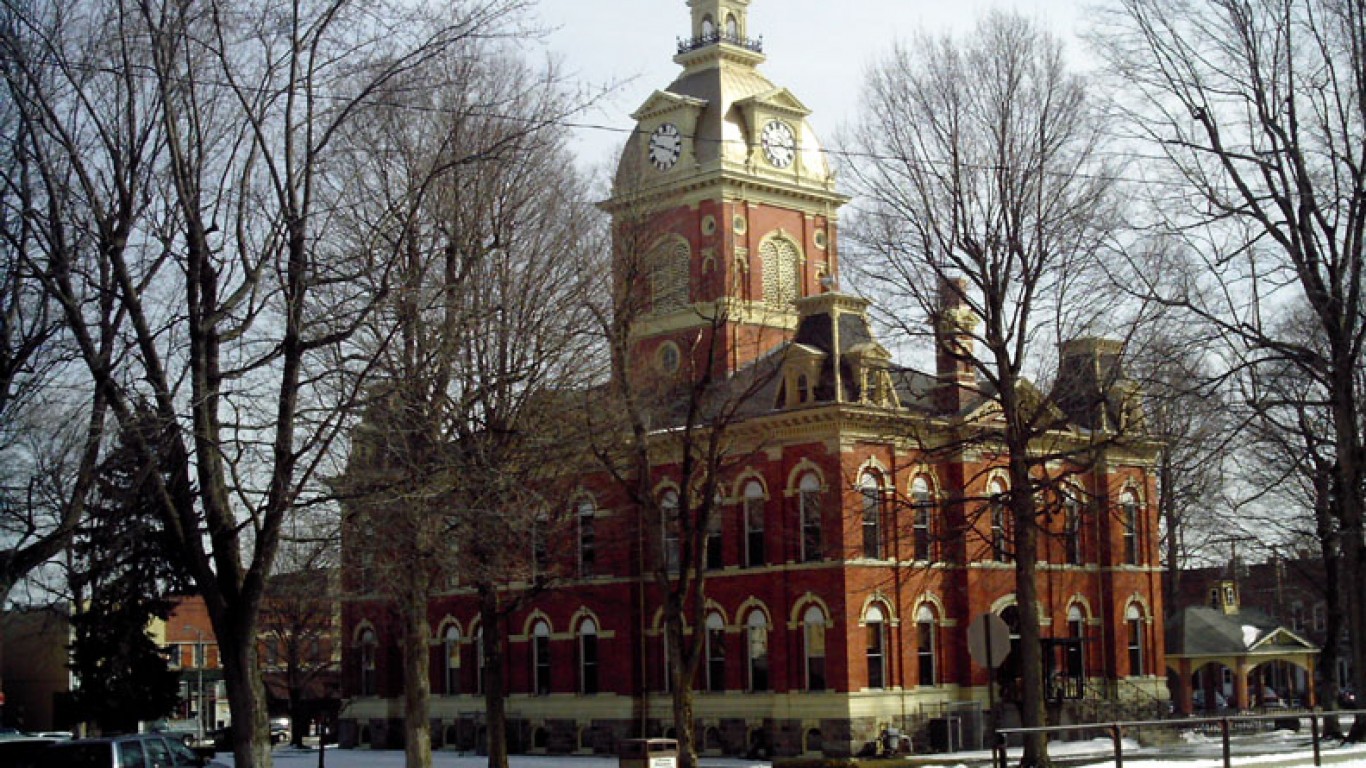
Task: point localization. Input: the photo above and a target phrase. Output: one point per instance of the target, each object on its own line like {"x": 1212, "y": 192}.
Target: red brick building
{"x": 858, "y": 539}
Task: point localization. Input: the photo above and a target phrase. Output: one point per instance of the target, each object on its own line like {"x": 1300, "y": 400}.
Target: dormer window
{"x": 803, "y": 389}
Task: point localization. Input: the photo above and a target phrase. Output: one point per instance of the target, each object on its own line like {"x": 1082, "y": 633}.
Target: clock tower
{"x": 724, "y": 206}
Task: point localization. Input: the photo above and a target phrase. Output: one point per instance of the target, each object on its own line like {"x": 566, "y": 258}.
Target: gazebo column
{"x": 1185, "y": 702}
{"x": 1240, "y": 698}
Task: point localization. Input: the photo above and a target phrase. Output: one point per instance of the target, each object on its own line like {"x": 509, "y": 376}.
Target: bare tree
{"x": 1252, "y": 111}
{"x": 463, "y": 456}
{"x": 986, "y": 203}
{"x": 194, "y": 150}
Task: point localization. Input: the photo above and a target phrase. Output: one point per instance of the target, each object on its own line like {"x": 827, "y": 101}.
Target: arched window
{"x": 872, "y": 516}
{"x": 668, "y": 508}
{"x": 716, "y": 653}
{"x": 813, "y": 636}
{"x": 588, "y": 656}
{"x": 876, "y": 633}
{"x": 754, "y": 524}
{"x": 540, "y": 657}
{"x": 922, "y": 501}
{"x": 1128, "y": 511}
{"x": 809, "y": 500}
{"x": 926, "y": 646}
{"x": 1076, "y": 654}
{"x": 780, "y": 261}
{"x": 450, "y": 646}
{"x": 1133, "y": 620}
{"x": 369, "y": 650}
{"x": 1000, "y": 530}
{"x": 1071, "y": 528}
{"x": 588, "y": 542}
{"x": 732, "y": 27}
{"x": 756, "y": 649}
{"x": 708, "y": 26}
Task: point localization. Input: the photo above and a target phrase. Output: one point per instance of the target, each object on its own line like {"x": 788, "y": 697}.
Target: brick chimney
{"x": 954, "y": 325}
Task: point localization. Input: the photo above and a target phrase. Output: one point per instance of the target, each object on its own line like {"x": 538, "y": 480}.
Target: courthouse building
{"x": 857, "y": 541}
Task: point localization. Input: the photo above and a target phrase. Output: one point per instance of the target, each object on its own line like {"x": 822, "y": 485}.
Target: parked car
{"x": 1198, "y": 699}
{"x": 142, "y": 750}
{"x": 1271, "y": 700}
{"x": 23, "y": 751}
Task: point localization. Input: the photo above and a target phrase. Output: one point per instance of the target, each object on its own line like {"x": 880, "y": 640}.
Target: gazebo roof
{"x": 1202, "y": 631}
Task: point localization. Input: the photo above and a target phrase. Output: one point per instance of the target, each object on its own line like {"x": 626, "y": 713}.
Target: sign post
{"x": 989, "y": 645}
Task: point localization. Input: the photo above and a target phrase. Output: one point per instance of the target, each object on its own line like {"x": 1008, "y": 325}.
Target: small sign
{"x": 989, "y": 640}
{"x": 663, "y": 762}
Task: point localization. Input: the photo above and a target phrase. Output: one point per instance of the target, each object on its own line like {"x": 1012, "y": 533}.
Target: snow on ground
{"x": 1278, "y": 749}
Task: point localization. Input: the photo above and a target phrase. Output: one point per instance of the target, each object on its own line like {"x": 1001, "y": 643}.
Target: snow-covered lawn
{"x": 1280, "y": 749}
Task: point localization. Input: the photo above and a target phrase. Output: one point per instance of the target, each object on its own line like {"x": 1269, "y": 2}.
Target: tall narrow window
{"x": 666, "y": 665}
{"x": 922, "y": 519}
{"x": 479, "y": 661}
{"x": 540, "y": 657}
{"x": 1071, "y": 524}
{"x": 873, "y": 622}
{"x": 809, "y": 500}
{"x": 1000, "y": 538}
{"x": 926, "y": 646}
{"x": 588, "y": 541}
{"x": 1076, "y": 652}
{"x": 716, "y": 653}
{"x": 1128, "y": 506}
{"x": 450, "y": 657}
{"x": 754, "y": 524}
{"x": 1133, "y": 618}
{"x": 588, "y": 656}
{"x": 732, "y": 29}
{"x": 813, "y": 636}
{"x": 756, "y": 649}
{"x": 540, "y": 543}
{"x": 715, "y": 553}
{"x": 872, "y": 516}
{"x": 668, "y": 508}
{"x": 369, "y": 647}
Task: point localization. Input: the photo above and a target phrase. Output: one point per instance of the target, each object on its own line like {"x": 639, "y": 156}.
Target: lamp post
{"x": 201, "y": 656}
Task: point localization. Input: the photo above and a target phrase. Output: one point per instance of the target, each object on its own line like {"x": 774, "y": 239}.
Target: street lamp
{"x": 200, "y": 657}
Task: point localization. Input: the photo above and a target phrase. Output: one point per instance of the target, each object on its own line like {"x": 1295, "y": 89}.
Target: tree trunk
{"x": 1348, "y": 452}
{"x": 682, "y": 695}
{"x": 417, "y": 685}
{"x": 1032, "y": 711}
{"x": 495, "y": 684}
{"x": 246, "y": 699}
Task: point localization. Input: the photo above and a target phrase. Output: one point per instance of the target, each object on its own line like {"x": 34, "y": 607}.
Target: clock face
{"x": 666, "y": 143}
{"x": 779, "y": 143}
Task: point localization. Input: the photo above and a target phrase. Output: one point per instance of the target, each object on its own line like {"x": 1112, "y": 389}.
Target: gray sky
{"x": 822, "y": 61}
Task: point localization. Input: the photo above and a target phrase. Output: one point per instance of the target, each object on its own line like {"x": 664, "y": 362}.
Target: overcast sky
{"x": 821, "y": 59}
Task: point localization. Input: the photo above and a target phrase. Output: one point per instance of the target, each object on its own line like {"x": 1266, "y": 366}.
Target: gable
{"x": 663, "y": 102}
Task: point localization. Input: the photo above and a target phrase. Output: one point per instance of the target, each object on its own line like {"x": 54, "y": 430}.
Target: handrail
{"x": 711, "y": 38}
{"x": 999, "y": 758}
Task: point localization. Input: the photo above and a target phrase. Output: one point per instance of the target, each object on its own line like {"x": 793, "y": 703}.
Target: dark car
{"x": 23, "y": 751}
{"x": 143, "y": 750}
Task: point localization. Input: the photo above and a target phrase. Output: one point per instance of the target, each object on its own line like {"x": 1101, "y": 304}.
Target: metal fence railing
{"x": 1226, "y": 727}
